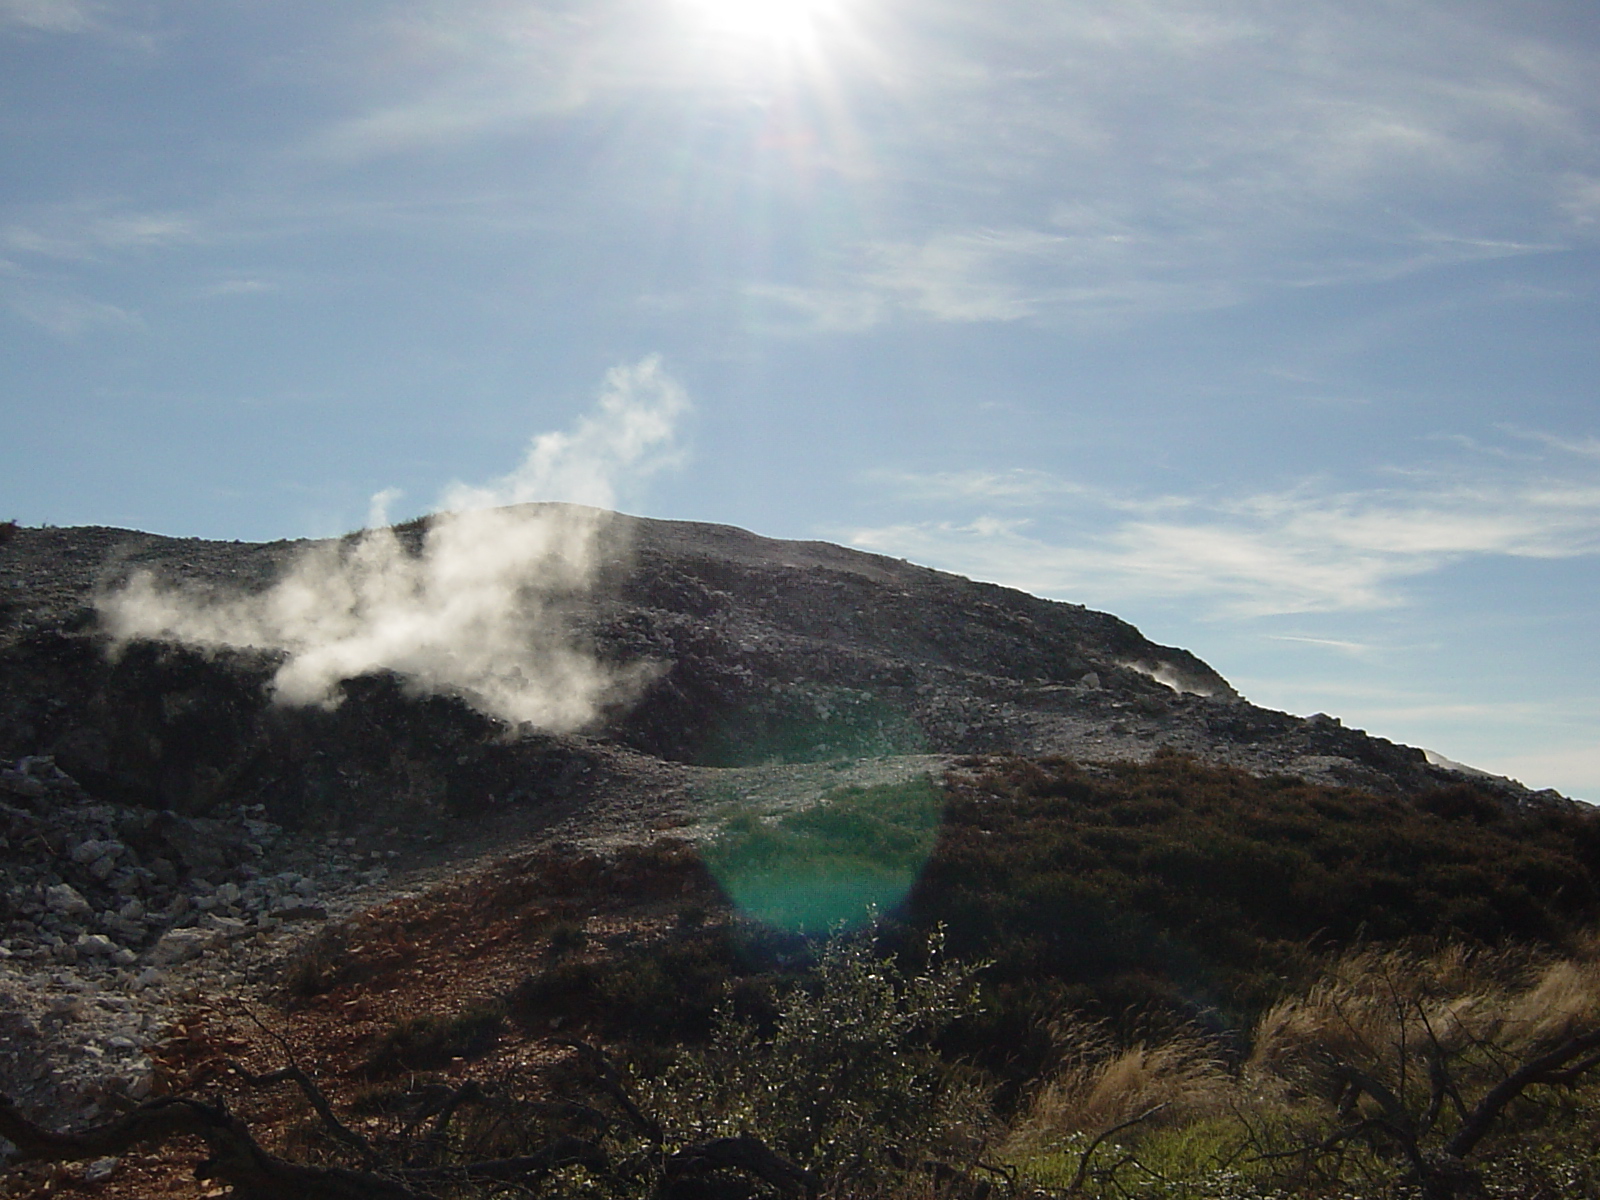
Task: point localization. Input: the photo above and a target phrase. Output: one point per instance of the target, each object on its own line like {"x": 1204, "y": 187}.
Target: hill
{"x": 754, "y": 651}
{"x": 392, "y": 878}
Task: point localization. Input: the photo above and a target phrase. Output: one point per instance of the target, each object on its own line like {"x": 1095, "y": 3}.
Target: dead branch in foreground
{"x": 236, "y": 1158}
{"x": 255, "y": 1173}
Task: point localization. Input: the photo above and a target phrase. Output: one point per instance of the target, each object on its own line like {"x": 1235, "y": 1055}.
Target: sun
{"x": 777, "y": 22}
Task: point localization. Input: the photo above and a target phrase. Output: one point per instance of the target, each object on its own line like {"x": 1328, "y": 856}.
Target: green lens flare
{"x": 855, "y": 851}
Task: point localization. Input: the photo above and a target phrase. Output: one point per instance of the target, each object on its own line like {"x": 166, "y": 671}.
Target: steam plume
{"x": 479, "y": 611}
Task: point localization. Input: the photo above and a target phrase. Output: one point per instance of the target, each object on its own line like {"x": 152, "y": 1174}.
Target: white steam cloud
{"x": 481, "y": 611}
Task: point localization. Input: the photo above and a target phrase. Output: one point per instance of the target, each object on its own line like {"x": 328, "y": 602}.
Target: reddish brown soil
{"x": 467, "y": 941}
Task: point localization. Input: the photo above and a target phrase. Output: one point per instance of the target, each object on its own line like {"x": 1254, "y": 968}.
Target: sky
{"x": 1270, "y": 327}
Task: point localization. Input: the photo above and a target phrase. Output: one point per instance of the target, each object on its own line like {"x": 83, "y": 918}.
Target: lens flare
{"x": 855, "y": 852}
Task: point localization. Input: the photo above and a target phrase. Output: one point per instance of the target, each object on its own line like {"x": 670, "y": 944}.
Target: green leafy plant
{"x": 847, "y": 1082}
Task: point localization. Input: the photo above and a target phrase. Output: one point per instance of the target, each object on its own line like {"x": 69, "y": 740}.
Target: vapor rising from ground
{"x": 479, "y": 610}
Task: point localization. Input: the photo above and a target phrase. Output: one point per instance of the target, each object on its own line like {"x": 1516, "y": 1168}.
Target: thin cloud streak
{"x": 68, "y": 316}
{"x": 80, "y": 231}
{"x": 1306, "y": 550}
{"x": 50, "y": 16}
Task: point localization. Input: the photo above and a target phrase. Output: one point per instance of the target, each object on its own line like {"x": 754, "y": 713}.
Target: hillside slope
{"x": 755, "y": 651}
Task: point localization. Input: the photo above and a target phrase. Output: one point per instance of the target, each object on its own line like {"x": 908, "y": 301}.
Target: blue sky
{"x": 1270, "y": 327}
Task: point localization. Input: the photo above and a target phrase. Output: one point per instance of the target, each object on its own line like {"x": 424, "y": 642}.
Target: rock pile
{"x": 113, "y": 917}
{"x": 107, "y": 887}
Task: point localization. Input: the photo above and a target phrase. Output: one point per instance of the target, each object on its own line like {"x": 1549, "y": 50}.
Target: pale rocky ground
{"x": 100, "y": 957}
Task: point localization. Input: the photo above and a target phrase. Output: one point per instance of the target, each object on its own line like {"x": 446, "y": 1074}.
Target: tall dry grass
{"x": 1101, "y": 1084}
{"x": 1399, "y": 1015}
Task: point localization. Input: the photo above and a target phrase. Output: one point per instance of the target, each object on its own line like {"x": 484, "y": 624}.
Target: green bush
{"x": 847, "y": 1082}
{"x": 1203, "y": 891}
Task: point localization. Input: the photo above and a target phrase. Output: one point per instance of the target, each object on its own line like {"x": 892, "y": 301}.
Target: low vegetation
{"x": 1165, "y": 980}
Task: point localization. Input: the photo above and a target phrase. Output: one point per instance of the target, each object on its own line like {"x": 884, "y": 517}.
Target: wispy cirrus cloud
{"x": 67, "y": 315}
{"x": 1304, "y": 550}
{"x": 50, "y": 16}
{"x": 1044, "y": 276}
{"x": 1013, "y": 486}
{"x": 1107, "y": 162}
{"x": 79, "y": 231}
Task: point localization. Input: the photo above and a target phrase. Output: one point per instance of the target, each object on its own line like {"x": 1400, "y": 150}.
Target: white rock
{"x": 100, "y": 1170}
{"x": 180, "y": 945}
{"x": 228, "y": 893}
{"x": 66, "y": 900}
{"x": 102, "y": 867}
{"x": 96, "y": 945}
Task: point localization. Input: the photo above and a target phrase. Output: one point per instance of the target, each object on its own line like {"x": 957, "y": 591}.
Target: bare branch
{"x": 433, "y": 1142}
{"x": 745, "y": 1154}
{"x": 563, "y": 1152}
{"x": 1332, "y": 1142}
{"x": 1083, "y": 1163}
{"x": 1547, "y": 1068}
{"x": 318, "y": 1101}
{"x": 611, "y": 1082}
{"x": 236, "y": 1157}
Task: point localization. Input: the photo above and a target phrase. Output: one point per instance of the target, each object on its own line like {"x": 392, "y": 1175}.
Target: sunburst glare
{"x": 775, "y": 23}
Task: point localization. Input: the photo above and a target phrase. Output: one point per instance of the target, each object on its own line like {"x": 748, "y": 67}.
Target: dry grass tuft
{"x": 1102, "y": 1085}
{"x": 1380, "y": 1010}
{"x": 1565, "y": 996}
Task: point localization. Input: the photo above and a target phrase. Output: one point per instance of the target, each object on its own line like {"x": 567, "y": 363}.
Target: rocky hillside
{"x": 169, "y": 833}
{"x": 756, "y": 651}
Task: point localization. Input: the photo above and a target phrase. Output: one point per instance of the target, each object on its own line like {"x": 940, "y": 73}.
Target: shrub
{"x": 1202, "y": 891}
{"x": 1103, "y": 1084}
{"x": 664, "y": 990}
{"x": 847, "y": 1082}
{"x": 433, "y": 1041}
{"x": 321, "y": 963}
{"x": 1400, "y": 1072}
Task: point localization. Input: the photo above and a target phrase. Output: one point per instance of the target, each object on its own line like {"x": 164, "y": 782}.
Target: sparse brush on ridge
{"x": 1443, "y": 1070}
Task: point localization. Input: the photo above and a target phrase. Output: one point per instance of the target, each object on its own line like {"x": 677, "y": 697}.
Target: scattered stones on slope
{"x": 113, "y": 916}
